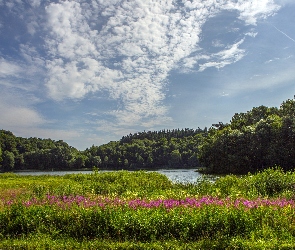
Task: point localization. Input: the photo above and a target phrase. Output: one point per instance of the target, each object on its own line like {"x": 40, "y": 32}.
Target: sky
{"x": 91, "y": 71}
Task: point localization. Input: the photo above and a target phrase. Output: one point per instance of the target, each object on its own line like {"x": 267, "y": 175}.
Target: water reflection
{"x": 181, "y": 175}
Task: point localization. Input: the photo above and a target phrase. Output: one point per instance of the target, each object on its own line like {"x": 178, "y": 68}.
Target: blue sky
{"x": 92, "y": 71}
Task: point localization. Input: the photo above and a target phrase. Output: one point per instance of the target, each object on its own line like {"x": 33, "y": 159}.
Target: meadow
{"x": 145, "y": 210}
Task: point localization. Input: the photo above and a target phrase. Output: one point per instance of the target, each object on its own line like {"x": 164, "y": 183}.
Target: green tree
{"x": 287, "y": 108}
{"x": 0, "y": 155}
{"x": 126, "y": 163}
{"x": 106, "y": 160}
{"x": 61, "y": 156}
{"x": 96, "y": 161}
{"x": 193, "y": 160}
{"x": 19, "y": 162}
{"x": 261, "y": 138}
{"x": 150, "y": 160}
{"x": 79, "y": 161}
{"x": 8, "y": 161}
{"x": 175, "y": 158}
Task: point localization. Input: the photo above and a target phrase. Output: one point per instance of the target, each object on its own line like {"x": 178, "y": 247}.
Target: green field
{"x": 145, "y": 210}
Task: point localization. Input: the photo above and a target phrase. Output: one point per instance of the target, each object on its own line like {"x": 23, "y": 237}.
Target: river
{"x": 175, "y": 175}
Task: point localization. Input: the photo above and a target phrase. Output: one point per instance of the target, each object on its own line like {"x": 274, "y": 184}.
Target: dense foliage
{"x": 260, "y": 138}
{"x": 35, "y": 153}
{"x": 149, "y": 150}
{"x": 144, "y": 210}
{"x": 171, "y": 148}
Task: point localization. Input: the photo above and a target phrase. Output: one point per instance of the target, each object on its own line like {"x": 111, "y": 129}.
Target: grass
{"x": 144, "y": 210}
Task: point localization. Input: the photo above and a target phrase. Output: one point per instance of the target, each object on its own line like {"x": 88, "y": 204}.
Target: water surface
{"x": 175, "y": 175}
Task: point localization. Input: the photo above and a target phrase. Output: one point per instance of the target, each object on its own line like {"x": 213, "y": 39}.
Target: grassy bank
{"x": 141, "y": 210}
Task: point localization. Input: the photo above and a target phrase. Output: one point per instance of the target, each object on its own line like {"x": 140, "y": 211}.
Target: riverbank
{"x": 175, "y": 175}
{"x": 145, "y": 210}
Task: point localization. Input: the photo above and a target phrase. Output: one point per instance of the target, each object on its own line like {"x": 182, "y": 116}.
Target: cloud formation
{"x": 127, "y": 48}
{"x": 227, "y": 56}
{"x": 9, "y": 69}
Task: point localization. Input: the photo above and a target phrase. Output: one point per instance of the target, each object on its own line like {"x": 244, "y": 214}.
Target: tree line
{"x": 17, "y": 153}
{"x": 143, "y": 150}
{"x": 260, "y": 138}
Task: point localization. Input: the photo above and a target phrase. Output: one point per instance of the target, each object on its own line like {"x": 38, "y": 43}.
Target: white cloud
{"x": 10, "y": 5}
{"x": 250, "y": 11}
{"x": 272, "y": 60}
{"x": 22, "y": 75}
{"x": 32, "y": 26}
{"x": 35, "y": 3}
{"x": 225, "y": 57}
{"x": 128, "y": 48}
{"x": 12, "y": 116}
{"x": 17, "y": 112}
{"x": 251, "y": 34}
{"x": 217, "y": 43}
{"x": 9, "y": 68}
{"x": 19, "y": 117}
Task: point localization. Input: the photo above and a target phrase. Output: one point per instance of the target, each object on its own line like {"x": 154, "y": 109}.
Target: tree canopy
{"x": 175, "y": 148}
{"x": 260, "y": 138}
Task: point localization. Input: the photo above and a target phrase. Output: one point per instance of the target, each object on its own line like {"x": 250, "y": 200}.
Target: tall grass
{"x": 206, "y": 217}
{"x": 129, "y": 210}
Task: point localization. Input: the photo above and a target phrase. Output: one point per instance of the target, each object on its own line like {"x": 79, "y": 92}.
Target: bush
{"x": 271, "y": 182}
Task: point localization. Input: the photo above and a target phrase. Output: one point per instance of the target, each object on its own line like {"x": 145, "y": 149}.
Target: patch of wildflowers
{"x": 103, "y": 202}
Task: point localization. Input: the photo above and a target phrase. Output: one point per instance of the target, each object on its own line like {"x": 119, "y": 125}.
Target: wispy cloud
{"x": 130, "y": 51}
{"x": 8, "y": 69}
{"x": 225, "y": 57}
{"x": 19, "y": 116}
{"x": 124, "y": 48}
{"x": 17, "y": 111}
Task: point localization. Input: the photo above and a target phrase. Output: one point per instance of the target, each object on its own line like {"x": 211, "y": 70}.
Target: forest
{"x": 258, "y": 139}
{"x": 144, "y": 150}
